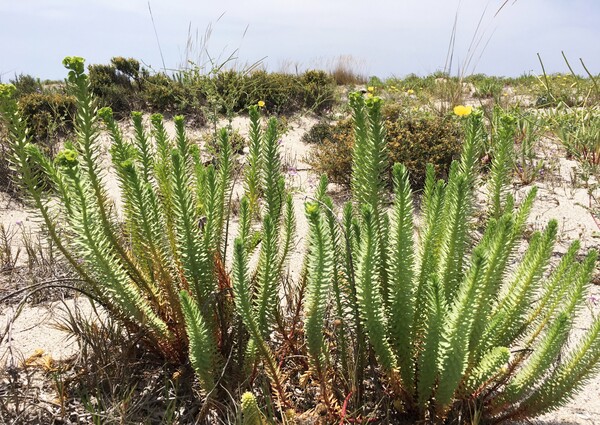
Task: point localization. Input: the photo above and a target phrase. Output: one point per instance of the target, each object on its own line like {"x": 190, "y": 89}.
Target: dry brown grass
{"x": 346, "y": 70}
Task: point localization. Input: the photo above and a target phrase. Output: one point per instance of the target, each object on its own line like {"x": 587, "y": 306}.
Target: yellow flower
{"x": 369, "y": 95}
{"x": 463, "y": 111}
{"x": 261, "y": 103}
{"x": 410, "y": 91}
{"x": 371, "y": 89}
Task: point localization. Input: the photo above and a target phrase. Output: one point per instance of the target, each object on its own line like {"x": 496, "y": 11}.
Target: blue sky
{"x": 385, "y": 38}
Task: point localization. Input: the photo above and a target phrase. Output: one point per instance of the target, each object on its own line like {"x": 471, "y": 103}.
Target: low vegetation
{"x": 414, "y": 138}
{"x": 414, "y": 304}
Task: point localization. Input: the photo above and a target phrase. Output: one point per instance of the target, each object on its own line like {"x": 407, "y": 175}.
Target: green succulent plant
{"x": 457, "y": 324}
{"x": 157, "y": 263}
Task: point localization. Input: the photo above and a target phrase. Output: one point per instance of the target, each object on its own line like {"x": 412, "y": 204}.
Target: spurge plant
{"x": 455, "y": 324}
{"x": 461, "y": 326}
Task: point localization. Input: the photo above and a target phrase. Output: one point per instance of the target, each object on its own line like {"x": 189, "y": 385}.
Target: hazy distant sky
{"x": 393, "y": 37}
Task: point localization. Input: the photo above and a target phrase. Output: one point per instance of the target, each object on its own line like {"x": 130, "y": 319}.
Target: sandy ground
{"x": 559, "y": 197}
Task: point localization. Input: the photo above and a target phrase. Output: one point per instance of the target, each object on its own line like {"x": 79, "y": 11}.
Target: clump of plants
{"x": 578, "y": 129}
{"x": 166, "y": 95}
{"x": 124, "y": 86}
{"x": 418, "y": 139}
{"x": 457, "y": 337}
{"x": 231, "y": 91}
{"x": 529, "y": 130}
{"x": 570, "y": 90}
{"x": 158, "y": 267}
{"x": 237, "y": 141}
{"x": 319, "y": 132}
{"x": 413, "y": 138}
{"x": 26, "y": 84}
{"x": 332, "y": 153}
{"x": 489, "y": 87}
{"x": 432, "y": 322}
{"x": 118, "y": 84}
{"x": 49, "y": 116}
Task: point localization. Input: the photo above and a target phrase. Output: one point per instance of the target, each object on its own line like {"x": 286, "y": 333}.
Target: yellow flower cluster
{"x": 463, "y": 111}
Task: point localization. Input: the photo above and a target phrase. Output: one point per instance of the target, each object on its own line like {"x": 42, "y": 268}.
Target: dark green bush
{"x": 125, "y": 86}
{"x": 129, "y": 67}
{"x": 163, "y": 94}
{"x": 118, "y": 84}
{"x": 413, "y": 139}
{"x": 333, "y": 155}
{"x": 418, "y": 140}
{"x": 318, "y": 133}
{"x": 227, "y": 90}
{"x": 236, "y": 140}
{"x": 26, "y": 84}
{"x": 112, "y": 88}
{"x": 319, "y": 90}
{"x": 282, "y": 93}
{"x": 48, "y": 116}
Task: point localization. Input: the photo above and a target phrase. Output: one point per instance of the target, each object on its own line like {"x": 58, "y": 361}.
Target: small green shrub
{"x": 228, "y": 91}
{"x": 118, "y": 84}
{"x": 318, "y": 90}
{"x": 578, "y": 129}
{"x": 129, "y": 67}
{"x": 48, "y": 116}
{"x": 26, "y": 84}
{"x": 414, "y": 139}
{"x": 237, "y": 141}
{"x": 112, "y": 88}
{"x": 282, "y": 93}
{"x": 165, "y": 95}
{"x": 489, "y": 87}
{"x": 318, "y": 132}
{"x": 333, "y": 155}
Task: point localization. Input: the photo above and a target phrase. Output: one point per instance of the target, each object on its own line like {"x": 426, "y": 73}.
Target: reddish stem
{"x": 344, "y": 408}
